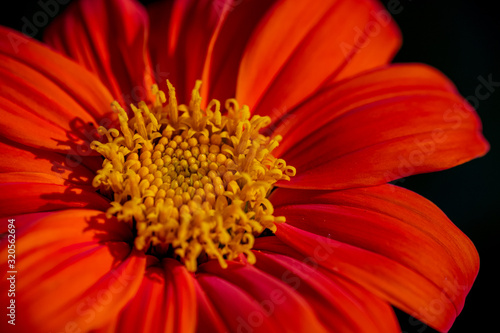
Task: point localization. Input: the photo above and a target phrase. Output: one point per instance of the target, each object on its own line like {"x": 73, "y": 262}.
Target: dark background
{"x": 462, "y": 39}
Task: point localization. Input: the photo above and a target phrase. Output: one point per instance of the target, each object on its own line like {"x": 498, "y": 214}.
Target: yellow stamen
{"x": 191, "y": 182}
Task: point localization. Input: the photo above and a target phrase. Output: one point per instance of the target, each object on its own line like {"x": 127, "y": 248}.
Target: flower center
{"x": 191, "y": 183}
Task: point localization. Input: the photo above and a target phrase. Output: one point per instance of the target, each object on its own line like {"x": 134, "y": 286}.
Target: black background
{"x": 462, "y": 39}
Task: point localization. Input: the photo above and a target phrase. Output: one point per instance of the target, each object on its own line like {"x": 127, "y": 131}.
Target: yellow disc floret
{"x": 191, "y": 182}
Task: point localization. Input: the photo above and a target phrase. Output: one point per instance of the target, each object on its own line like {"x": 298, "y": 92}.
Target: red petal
{"x": 112, "y": 230}
{"x": 31, "y": 177}
{"x": 390, "y": 240}
{"x": 22, "y": 198}
{"x": 221, "y": 74}
{"x": 270, "y": 293}
{"x": 164, "y": 302}
{"x": 182, "y": 45}
{"x": 17, "y": 158}
{"x": 109, "y": 38}
{"x": 339, "y": 308}
{"x": 84, "y": 87}
{"x": 73, "y": 273}
{"x": 144, "y": 312}
{"x": 276, "y": 73}
{"x": 380, "y": 126}
{"x": 47, "y": 100}
{"x": 209, "y": 319}
{"x": 239, "y": 310}
{"x": 387, "y": 279}
{"x": 180, "y": 298}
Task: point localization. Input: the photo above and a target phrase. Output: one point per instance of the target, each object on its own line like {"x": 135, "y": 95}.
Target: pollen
{"x": 191, "y": 183}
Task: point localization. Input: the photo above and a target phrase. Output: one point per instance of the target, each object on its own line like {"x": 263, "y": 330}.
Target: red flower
{"x": 351, "y": 246}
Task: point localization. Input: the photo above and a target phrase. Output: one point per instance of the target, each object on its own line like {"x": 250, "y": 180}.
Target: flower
{"x": 351, "y": 246}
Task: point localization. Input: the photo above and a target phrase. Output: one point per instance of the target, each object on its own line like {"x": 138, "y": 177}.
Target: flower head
{"x": 140, "y": 207}
{"x": 193, "y": 184}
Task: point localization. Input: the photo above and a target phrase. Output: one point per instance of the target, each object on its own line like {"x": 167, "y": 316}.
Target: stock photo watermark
{"x": 33, "y": 24}
{"x": 380, "y": 19}
{"x": 455, "y": 116}
{"x": 87, "y": 311}
{"x": 40, "y": 19}
{"x": 256, "y": 318}
{"x": 436, "y": 307}
{"x": 11, "y": 271}
{"x": 222, "y": 7}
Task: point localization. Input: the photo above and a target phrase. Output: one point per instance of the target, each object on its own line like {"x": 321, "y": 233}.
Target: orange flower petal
{"x": 81, "y": 280}
{"x": 39, "y": 195}
{"x": 385, "y": 278}
{"x": 164, "y": 32}
{"x": 27, "y": 55}
{"x": 182, "y": 45}
{"x": 28, "y": 223}
{"x": 209, "y": 319}
{"x": 109, "y": 39}
{"x": 237, "y": 308}
{"x": 263, "y": 290}
{"x": 180, "y": 298}
{"x": 378, "y": 127}
{"x": 221, "y": 75}
{"x": 31, "y": 177}
{"x": 302, "y": 46}
{"x": 144, "y": 312}
{"x": 46, "y": 96}
{"x": 18, "y": 158}
{"x": 164, "y": 302}
{"x": 391, "y": 241}
{"x": 334, "y": 304}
